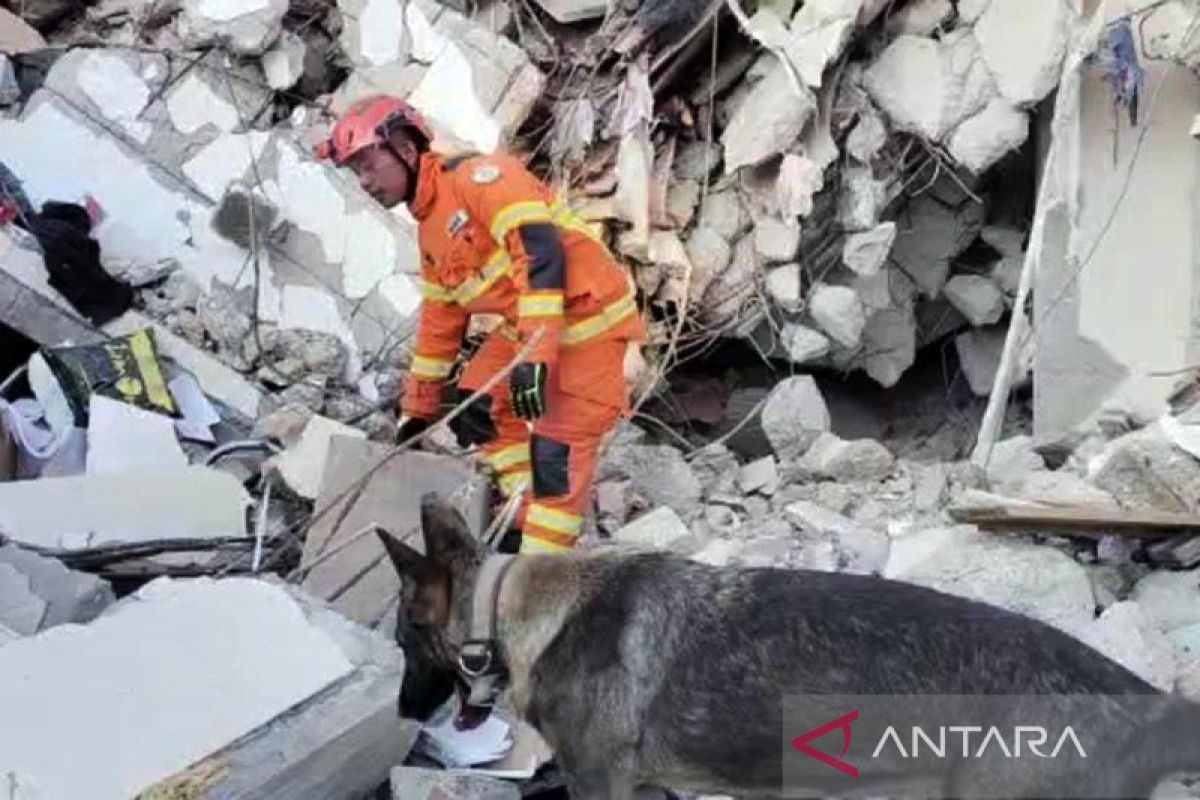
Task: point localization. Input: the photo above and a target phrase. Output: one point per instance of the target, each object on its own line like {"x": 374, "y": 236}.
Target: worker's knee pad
{"x": 551, "y": 467}
{"x": 475, "y": 425}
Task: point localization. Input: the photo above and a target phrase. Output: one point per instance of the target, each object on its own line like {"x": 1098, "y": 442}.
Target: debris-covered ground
{"x": 919, "y": 277}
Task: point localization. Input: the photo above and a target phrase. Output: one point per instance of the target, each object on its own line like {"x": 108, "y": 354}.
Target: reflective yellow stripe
{"x": 436, "y": 293}
{"x": 524, "y": 213}
{"x": 565, "y": 217}
{"x": 431, "y": 368}
{"x": 513, "y": 482}
{"x": 554, "y": 520}
{"x": 509, "y": 457}
{"x": 536, "y": 541}
{"x": 533, "y": 543}
{"x": 607, "y": 319}
{"x": 541, "y": 305}
{"x": 496, "y": 268}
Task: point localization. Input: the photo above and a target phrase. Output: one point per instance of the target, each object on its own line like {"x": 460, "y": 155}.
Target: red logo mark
{"x": 843, "y": 722}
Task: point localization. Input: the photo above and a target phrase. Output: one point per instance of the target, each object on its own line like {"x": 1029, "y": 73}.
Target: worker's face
{"x": 382, "y": 175}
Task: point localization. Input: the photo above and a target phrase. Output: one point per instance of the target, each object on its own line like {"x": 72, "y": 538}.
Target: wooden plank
{"x": 1144, "y": 524}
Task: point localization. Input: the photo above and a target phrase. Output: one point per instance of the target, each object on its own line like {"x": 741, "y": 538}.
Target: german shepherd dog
{"x": 649, "y": 670}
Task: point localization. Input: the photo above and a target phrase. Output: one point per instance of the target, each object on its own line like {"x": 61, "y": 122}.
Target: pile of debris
{"x": 1100, "y": 542}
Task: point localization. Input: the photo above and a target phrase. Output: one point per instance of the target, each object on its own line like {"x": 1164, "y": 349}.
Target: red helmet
{"x": 370, "y": 122}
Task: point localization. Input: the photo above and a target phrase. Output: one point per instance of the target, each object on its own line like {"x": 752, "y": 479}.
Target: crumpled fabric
{"x": 37, "y": 445}
{"x": 1120, "y": 67}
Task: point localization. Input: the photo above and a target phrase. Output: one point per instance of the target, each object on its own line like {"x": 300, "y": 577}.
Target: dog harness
{"x": 479, "y": 658}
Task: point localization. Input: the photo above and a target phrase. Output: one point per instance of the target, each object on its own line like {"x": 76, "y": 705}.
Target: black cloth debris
{"x": 72, "y": 257}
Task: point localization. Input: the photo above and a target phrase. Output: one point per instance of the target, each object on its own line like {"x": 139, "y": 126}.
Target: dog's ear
{"x": 430, "y": 597}
{"x": 446, "y": 534}
{"x": 406, "y": 560}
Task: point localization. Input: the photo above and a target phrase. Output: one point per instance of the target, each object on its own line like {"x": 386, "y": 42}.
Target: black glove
{"x": 413, "y": 426}
{"x": 527, "y": 391}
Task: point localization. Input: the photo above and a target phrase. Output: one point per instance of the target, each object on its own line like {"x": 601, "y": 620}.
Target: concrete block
{"x": 710, "y": 255}
{"x": 976, "y": 298}
{"x": 70, "y": 595}
{"x": 660, "y": 529}
{"x": 566, "y": 11}
{"x": 867, "y": 252}
{"x": 857, "y": 549}
{"x": 784, "y": 287}
{"x": 21, "y": 611}
{"x": 834, "y": 459}
{"x": 247, "y": 27}
{"x": 982, "y": 140}
{"x": 759, "y": 476}
{"x": 839, "y": 313}
{"x": 777, "y": 240}
{"x": 391, "y": 500}
{"x": 890, "y": 344}
{"x": 802, "y": 344}
{"x": 302, "y": 466}
{"x": 770, "y": 119}
{"x": 414, "y": 783}
{"x": 80, "y": 699}
{"x": 1023, "y": 43}
{"x": 930, "y": 236}
{"x": 794, "y": 416}
{"x": 130, "y": 507}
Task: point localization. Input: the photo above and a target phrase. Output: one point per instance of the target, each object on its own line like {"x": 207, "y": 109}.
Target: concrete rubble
{"x": 831, "y": 233}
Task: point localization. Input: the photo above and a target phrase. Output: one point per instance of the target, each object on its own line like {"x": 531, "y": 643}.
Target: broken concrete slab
{"x": 1012, "y": 461}
{"x": 865, "y": 253}
{"x": 1062, "y": 488}
{"x": 820, "y": 32}
{"x": 869, "y": 135}
{"x": 928, "y": 87}
{"x": 857, "y": 549}
{"x": 982, "y": 140}
{"x": 1033, "y": 580}
{"x": 1023, "y": 43}
{"x": 414, "y": 783}
{"x": 861, "y": 199}
{"x": 976, "y": 298}
{"x": 1124, "y": 634}
{"x": 254, "y": 641}
{"x": 247, "y": 27}
{"x": 391, "y": 500}
{"x": 979, "y": 351}
{"x": 930, "y": 236}
{"x": 839, "y": 313}
{"x": 70, "y": 596}
{"x": 122, "y": 437}
{"x": 833, "y": 458}
{"x": 283, "y": 64}
{"x": 659, "y": 474}
{"x": 1145, "y": 470}
{"x": 710, "y": 254}
{"x": 722, "y": 211}
{"x": 889, "y": 345}
{"x": 302, "y": 466}
{"x": 189, "y": 503}
{"x": 660, "y": 529}
{"x": 794, "y": 416}
{"x": 767, "y": 122}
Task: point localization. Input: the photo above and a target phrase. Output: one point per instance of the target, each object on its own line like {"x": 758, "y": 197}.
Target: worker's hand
{"x": 527, "y": 391}
{"x": 410, "y": 427}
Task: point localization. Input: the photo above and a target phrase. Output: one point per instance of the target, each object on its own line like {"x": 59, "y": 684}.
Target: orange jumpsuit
{"x": 494, "y": 240}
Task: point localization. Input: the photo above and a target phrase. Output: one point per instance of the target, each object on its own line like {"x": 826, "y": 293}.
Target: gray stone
{"x": 889, "y": 345}
{"x": 1062, "y": 488}
{"x": 766, "y": 552}
{"x": 759, "y": 476}
{"x": 302, "y": 465}
{"x": 802, "y": 344}
{"x": 414, "y": 783}
{"x": 767, "y": 122}
{"x": 284, "y": 62}
{"x": 313, "y": 353}
{"x": 710, "y": 255}
{"x": 660, "y": 529}
{"x": 976, "y": 298}
{"x": 777, "y": 240}
{"x": 719, "y": 552}
{"x": 869, "y": 135}
{"x": 1169, "y": 600}
{"x": 697, "y": 161}
{"x": 979, "y": 352}
{"x": 794, "y": 416}
{"x": 982, "y": 140}
{"x": 861, "y": 199}
{"x": 930, "y": 488}
{"x": 1145, "y": 470}
{"x": 715, "y": 466}
{"x": 10, "y": 90}
{"x": 729, "y": 297}
{"x": 784, "y": 287}
{"x": 223, "y": 320}
{"x": 722, "y": 211}
{"x": 920, "y": 17}
{"x": 839, "y": 313}
{"x": 721, "y": 519}
{"x": 865, "y": 253}
{"x": 1011, "y": 463}
{"x": 21, "y": 610}
{"x": 249, "y": 30}
{"x": 659, "y": 473}
{"x": 566, "y": 11}
{"x": 1124, "y": 634}
{"x": 858, "y": 549}
{"x": 1023, "y": 43}
{"x": 930, "y": 236}
{"x": 683, "y": 198}
{"x": 834, "y": 459}
{"x": 70, "y": 596}
{"x": 614, "y": 501}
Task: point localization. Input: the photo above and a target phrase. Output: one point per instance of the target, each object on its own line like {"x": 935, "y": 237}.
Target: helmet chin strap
{"x": 411, "y": 169}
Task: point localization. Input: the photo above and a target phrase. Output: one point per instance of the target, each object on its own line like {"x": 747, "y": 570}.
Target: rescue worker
{"x": 495, "y": 240}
